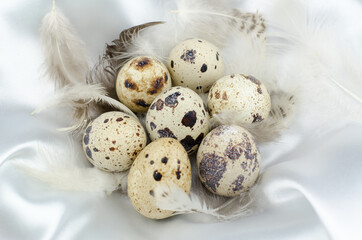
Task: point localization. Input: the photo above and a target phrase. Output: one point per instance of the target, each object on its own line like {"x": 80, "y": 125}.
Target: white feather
{"x": 70, "y": 171}
{"x": 316, "y": 61}
{"x": 66, "y": 60}
{"x": 80, "y": 98}
{"x": 173, "y": 198}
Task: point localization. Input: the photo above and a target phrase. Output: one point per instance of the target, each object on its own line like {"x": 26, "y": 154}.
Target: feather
{"x": 175, "y": 199}
{"x": 316, "y": 60}
{"x": 80, "y": 98}
{"x": 71, "y": 172}
{"x": 66, "y": 60}
{"x": 116, "y": 51}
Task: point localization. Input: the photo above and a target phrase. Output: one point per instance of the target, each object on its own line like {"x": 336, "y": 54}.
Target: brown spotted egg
{"x": 228, "y": 161}
{"x": 196, "y": 64}
{"x": 242, "y": 94}
{"x": 163, "y": 162}
{"x": 178, "y": 113}
{"x": 140, "y": 80}
{"x": 112, "y": 141}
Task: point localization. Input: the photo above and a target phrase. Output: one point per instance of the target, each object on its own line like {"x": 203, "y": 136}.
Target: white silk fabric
{"x": 311, "y": 183}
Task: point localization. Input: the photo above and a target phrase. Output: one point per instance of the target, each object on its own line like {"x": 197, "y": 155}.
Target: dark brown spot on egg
{"x": 152, "y": 193}
{"x": 114, "y": 142}
{"x": 88, "y": 130}
{"x": 257, "y": 118}
{"x": 152, "y": 126}
{"x": 178, "y": 174}
{"x": 86, "y": 139}
{"x": 232, "y": 75}
{"x": 142, "y": 64}
{"x": 152, "y": 162}
{"x": 126, "y": 116}
{"x": 89, "y": 153}
{"x": 188, "y": 142}
{"x": 157, "y": 176}
{"x": 217, "y": 56}
{"x": 130, "y": 85}
{"x": 203, "y": 68}
{"x": 141, "y": 102}
{"x": 215, "y": 66}
{"x": 164, "y": 160}
{"x": 146, "y": 156}
{"x": 189, "y": 56}
{"x": 137, "y": 134}
{"x": 198, "y": 87}
{"x": 166, "y": 77}
{"x": 217, "y": 94}
{"x": 199, "y": 40}
{"x": 238, "y": 183}
{"x": 232, "y": 152}
{"x": 95, "y": 150}
{"x": 119, "y": 119}
{"x": 171, "y": 100}
{"x": 172, "y": 64}
{"x": 212, "y": 168}
{"x": 107, "y": 158}
{"x": 159, "y": 105}
{"x": 157, "y": 84}
{"x": 259, "y": 90}
{"x": 166, "y": 132}
{"x": 224, "y": 96}
{"x": 105, "y": 120}
{"x": 253, "y": 80}
{"x": 112, "y": 149}
{"x": 189, "y": 119}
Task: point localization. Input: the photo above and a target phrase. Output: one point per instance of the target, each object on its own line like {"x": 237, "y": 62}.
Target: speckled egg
{"x": 112, "y": 141}
{"x": 196, "y": 64}
{"x": 162, "y": 162}
{"x": 228, "y": 161}
{"x": 140, "y": 80}
{"x": 178, "y": 113}
{"x": 243, "y": 94}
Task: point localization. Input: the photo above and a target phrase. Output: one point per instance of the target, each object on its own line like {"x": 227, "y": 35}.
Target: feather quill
{"x": 71, "y": 172}
{"x": 66, "y": 60}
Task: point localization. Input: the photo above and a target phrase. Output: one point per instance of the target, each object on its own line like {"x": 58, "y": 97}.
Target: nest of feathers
{"x": 250, "y": 44}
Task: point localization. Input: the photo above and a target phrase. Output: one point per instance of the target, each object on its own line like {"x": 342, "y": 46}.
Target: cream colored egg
{"x": 245, "y": 95}
{"x": 228, "y": 161}
{"x": 112, "y": 141}
{"x": 178, "y": 113}
{"x": 140, "y": 80}
{"x": 196, "y": 64}
{"x": 163, "y": 162}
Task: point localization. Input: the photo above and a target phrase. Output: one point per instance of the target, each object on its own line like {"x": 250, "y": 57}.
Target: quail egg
{"x": 178, "y": 113}
{"x": 162, "y": 162}
{"x": 228, "y": 161}
{"x": 245, "y": 95}
{"x": 196, "y": 64}
{"x": 112, "y": 141}
{"x": 140, "y": 80}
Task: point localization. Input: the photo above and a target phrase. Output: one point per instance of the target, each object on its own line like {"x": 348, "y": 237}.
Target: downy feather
{"x": 315, "y": 60}
{"x": 80, "y": 98}
{"x": 70, "y": 171}
{"x": 66, "y": 60}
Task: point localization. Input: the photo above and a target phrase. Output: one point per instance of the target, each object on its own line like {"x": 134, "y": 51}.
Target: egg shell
{"x": 140, "y": 80}
{"x": 178, "y": 113}
{"x": 228, "y": 161}
{"x": 163, "y": 162}
{"x": 243, "y": 94}
{"x": 112, "y": 141}
{"x": 196, "y": 64}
